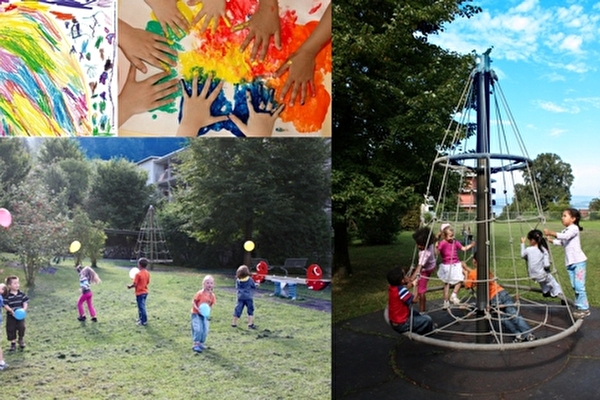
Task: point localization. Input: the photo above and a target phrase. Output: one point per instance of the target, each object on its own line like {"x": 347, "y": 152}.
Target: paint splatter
{"x": 218, "y": 53}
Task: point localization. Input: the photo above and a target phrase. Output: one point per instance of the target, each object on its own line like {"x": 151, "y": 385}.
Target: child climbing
{"x": 426, "y": 244}
{"x": 538, "y": 263}
{"x": 450, "y": 271}
{"x": 399, "y": 305}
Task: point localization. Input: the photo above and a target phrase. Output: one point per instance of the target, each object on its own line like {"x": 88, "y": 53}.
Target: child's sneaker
{"x": 531, "y": 337}
{"x": 252, "y": 326}
{"x": 579, "y": 314}
{"x": 3, "y": 365}
{"x": 518, "y": 339}
{"x": 13, "y": 346}
{"x": 454, "y": 299}
{"x": 21, "y": 344}
{"x": 94, "y": 319}
{"x": 446, "y": 305}
{"x": 82, "y": 319}
{"x": 197, "y": 349}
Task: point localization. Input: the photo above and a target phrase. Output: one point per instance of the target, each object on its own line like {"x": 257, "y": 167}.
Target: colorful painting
{"x": 56, "y": 68}
{"x": 239, "y": 81}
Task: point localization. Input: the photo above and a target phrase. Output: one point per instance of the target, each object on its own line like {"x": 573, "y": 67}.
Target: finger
{"x": 263, "y": 51}
{"x": 278, "y": 111}
{"x": 285, "y": 88}
{"x": 249, "y": 102}
{"x": 284, "y": 67}
{"x": 246, "y": 41}
{"x": 239, "y": 27}
{"x": 195, "y": 86}
{"x": 218, "y": 118}
{"x": 255, "y": 47}
{"x": 269, "y": 107}
{"x": 165, "y": 48}
{"x": 154, "y": 79}
{"x": 131, "y": 73}
{"x": 167, "y": 85}
{"x": 205, "y": 23}
{"x": 313, "y": 91}
{"x": 198, "y": 17}
{"x": 294, "y": 94}
{"x": 237, "y": 122}
{"x": 206, "y": 86}
{"x": 302, "y": 93}
{"x": 166, "y": 93}
{"x": 277, "y": 39}
{"x": 139, "y": 64}
{"x": 215, "y": 93}
{"x": 184, "y": 92}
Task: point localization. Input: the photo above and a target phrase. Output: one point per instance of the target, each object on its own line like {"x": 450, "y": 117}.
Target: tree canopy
{"x": 394, "y": 94}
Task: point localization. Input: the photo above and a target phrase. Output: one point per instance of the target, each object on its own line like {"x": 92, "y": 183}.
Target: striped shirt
{"x": 16, "y": 300}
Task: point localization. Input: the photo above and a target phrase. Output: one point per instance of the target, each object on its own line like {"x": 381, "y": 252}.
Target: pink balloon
{"x": 5, "y": 218}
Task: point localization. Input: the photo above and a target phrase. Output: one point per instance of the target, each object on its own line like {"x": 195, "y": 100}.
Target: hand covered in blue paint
{"x": 261, "y": 123}
{"x": 195, "y": 112}
{"x": 140, "y": 47}
{"x": 140, "y": 96}
{"x": 261, "y": 26}
{"x": 211, "y": 11}
{"x": 169, "y": 16}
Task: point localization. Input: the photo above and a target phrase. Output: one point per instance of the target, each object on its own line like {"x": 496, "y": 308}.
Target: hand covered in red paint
{"x": 169, "y": 16}
{"x": 261, "y": 123}
{"x": 140, "y": 46}
{"x": 261, "y": 26}
{"x": 195, "y": 112}
{"x": 140, "y": 96}
{"x": 211, "y": 11}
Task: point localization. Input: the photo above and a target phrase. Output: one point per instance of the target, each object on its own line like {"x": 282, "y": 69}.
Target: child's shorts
{"x": 451, "y": 273}
{"x": 423, "y": 281}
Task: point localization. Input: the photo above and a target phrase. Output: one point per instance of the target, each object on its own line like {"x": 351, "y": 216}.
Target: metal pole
{"x": 482, "y": 82}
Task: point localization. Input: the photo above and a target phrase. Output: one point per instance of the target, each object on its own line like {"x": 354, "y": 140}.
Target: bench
{"x": 294, "y": 266}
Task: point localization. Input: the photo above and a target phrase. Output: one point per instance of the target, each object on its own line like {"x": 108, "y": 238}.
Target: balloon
{"x": 204, "y": 310}
{"x": 74, "y": 247}
{"x": 133, "y": 272}
{"x": 20, "y": 314}
{"x": 249, "y": 245}
{"x": 5, "y": 218}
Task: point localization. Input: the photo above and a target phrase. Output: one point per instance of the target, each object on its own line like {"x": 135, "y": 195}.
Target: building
{"x": 160, "y": 172}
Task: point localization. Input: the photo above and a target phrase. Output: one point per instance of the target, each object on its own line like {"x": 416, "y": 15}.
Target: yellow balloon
{"x": 75, "y": 246}
{"x": 249, "y": 245}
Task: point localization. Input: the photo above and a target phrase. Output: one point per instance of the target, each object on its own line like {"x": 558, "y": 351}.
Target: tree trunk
{"x": 341, "y": 255}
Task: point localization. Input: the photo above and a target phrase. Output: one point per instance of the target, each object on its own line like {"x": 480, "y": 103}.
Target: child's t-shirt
{"x": 245, "y": 287}
{"x": 203, "y": 297}
{"x": 399, "y": 301}
{"x": 16, "y": 300}
{"x": 427, "y": 258}
{"x": 141, "y": 281}
{"x": 449, "y": 251}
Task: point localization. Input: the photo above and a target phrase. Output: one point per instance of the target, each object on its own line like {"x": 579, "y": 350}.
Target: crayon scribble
{"x": 56, "y": 69}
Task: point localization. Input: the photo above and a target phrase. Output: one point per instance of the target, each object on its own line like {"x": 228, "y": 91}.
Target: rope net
{"x": 516, "y": 209}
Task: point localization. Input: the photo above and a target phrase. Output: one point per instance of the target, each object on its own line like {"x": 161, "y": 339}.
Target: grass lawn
{"x": 366, "y": 290}
{"x": 288, "y": 356}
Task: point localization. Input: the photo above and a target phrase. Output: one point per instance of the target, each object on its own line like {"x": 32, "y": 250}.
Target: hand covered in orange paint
{"x": 260, "y": 123}
{"x": 195, "y": 112}
{"x": 140, "y": 96}
{"x": 211, "y": 11}
{"x": 261, "y": 26}
{"x": 140, "y": 47}
{"x": 301, "y": 64}
{"x": 169, "y": 16}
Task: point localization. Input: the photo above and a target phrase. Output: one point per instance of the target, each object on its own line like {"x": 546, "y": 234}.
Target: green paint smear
{"x": 99, "y": 41}
{"x": 102, "y": 106}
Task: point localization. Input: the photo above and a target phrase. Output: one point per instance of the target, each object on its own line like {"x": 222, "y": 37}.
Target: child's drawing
{"x": 56, "y": 68}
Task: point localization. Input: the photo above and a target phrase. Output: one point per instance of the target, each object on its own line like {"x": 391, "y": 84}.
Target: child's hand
{"x": 260, "y": 123}
{"x": 195, "y": 112}
{"x": 140, "y": 46}
{"x": 169, "y": 16}
{"x": 523, "y": 240}
{"x": 261, "y": 26}
{"x": 211, "y": 11}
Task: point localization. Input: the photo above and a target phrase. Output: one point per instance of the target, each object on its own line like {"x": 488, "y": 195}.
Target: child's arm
{"x": 467, "y": 247}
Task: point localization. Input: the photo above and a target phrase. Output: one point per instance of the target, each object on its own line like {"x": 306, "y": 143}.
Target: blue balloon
{"x": 204, "y": 310}
{"x": 20, "y": 314}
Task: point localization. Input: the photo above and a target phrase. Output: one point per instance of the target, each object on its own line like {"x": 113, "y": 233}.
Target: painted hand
{"x": 261, "y": 26}
{"x": 301, "y": 68}
{"x": 140, "y": 46}
{"x": 211, "y": 11}
{"x": 260, "y": 123}
{"x": 169, "y": 16}
{"x": 196, "y": 108}
{"x": 140, "y": 96}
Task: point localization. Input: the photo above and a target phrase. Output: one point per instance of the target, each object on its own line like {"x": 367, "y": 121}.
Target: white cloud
{"x": 526, "y": 6}
{"x": 552, "y": 107}
{"x": 572, "y": 43}
{"x": 557, "y": 131}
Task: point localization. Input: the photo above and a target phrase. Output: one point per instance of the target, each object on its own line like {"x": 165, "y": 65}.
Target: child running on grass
{"x": 87, "y": 276}
{"x": 399, "y": 305}
{"x": 538, "y": 263}
{"x": 140, "y": 283}
{"x": 200, "y": 322}
{"x": 575, "y": 259}
{"x": 2, "y": 289}
{"x": 13, "y": 300}
{"x": 450, "y": 271}
{"x": 245, "y": 293}
{"x": 427, "y": 263}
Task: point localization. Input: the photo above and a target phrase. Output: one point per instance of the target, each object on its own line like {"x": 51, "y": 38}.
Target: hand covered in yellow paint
{"x": 140, "y": 46}
{"x": 301, "y": 64}
{"x": 140, "y": 96}
{"x": 169, "y": 16}
{"x": 261, "y": 123}
{"x": 211, "y": 11}
{"x": 261, "y": 26}
{"x": 196, "y": 108}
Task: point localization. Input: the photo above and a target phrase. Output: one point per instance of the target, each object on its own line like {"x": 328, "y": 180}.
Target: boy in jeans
{"x": 140, "y": 282}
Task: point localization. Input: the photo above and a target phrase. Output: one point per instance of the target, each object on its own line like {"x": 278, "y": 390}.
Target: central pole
{"x": 482, "y": 82}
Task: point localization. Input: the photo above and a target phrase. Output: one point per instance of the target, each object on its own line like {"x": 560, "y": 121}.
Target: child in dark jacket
{"x": 245, "y": 293}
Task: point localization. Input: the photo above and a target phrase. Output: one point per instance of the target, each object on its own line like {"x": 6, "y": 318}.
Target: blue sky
{"x": 546, "y": 55}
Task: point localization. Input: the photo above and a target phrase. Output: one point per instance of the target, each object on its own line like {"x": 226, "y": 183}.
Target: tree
{"x": 273, "y": 191}
{"x": 553, "y": 179}
{"x": 38, "y": 229}
{"x": 394, "y": 95}
{"x": 15, "y": 164}
{"x": 91, "y": 236}
{"x": 53, "y": 151}
{"x": 119, "y": 195}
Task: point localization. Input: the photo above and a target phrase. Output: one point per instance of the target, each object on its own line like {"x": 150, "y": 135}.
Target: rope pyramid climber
{"x": 466, "y": 199}
{"x": 151, "y": 242}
